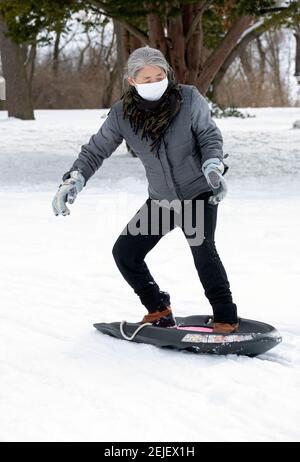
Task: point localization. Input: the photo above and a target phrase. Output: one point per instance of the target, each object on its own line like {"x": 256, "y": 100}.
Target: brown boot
{"x": 162, "y": 318}
{"x": 224, "y": 328}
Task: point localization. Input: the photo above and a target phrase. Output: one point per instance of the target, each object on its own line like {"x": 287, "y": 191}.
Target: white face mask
{"x": 152, "y": 91}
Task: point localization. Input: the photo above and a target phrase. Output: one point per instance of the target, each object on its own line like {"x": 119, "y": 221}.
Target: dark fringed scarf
{"x": 152, "y": 118}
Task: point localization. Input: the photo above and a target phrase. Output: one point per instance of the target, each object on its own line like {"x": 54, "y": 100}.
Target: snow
{"x": 61, "y": 380}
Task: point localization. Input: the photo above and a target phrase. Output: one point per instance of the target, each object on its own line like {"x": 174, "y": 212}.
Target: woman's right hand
{"x": 67, "y": 192}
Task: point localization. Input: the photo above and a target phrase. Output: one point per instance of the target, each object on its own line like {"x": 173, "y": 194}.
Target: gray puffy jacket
{"x": 191, "y": 138}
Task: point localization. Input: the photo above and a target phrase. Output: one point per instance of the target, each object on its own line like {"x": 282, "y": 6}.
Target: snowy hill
{"x": 61, "y": 380}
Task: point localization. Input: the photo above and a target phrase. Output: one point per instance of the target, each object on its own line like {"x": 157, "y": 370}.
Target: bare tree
{"x": 119, "y": 31}
{"x": 260, "y": 75}
{"x": 297, "y": 61}
{"x": 274, "y": 40}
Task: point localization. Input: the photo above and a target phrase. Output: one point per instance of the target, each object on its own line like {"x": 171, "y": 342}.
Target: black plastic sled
{"x": 193, "y": 333}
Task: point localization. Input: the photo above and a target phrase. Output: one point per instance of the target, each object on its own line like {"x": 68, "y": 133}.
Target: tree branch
{"x": 274, "y": 10}
{"x": 204, "y": 5}
{"x": 218, "y": 56}
{"x": 254, "y": 32}
{"x": 141, "y": 35}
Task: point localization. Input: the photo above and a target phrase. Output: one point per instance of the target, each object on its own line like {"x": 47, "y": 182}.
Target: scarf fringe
{"x": 151, "y": 119}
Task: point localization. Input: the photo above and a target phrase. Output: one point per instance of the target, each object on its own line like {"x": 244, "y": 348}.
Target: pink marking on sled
{"x": 195, "y": 329}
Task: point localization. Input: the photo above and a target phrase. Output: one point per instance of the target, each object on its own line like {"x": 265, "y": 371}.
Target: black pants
{"x": 129, "y": 252}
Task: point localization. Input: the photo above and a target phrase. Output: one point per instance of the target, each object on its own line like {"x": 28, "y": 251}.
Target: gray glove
{"x": 67, "y": 192}
{"x": 213, "y": 169}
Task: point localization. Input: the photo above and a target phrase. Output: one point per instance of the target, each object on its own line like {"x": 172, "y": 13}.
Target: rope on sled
{"x": 122, "y": 324}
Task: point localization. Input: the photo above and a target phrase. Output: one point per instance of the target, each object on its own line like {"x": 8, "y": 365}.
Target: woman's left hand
{"x": 219, "y": 193}
{"x": 212, "y": 170}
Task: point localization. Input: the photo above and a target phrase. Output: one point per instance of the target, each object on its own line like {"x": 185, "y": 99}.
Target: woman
{"x": 168, "y": 126}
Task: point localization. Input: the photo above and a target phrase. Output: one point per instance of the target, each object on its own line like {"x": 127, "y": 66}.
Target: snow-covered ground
{"x": 61, "y": 380}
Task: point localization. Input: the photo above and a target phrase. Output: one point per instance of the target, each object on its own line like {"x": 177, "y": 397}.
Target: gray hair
{"x": 145, "y": 56}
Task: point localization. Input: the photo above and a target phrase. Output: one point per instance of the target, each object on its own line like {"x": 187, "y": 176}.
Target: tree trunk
{"x": 107, "y": 96}
{"x": 30, "y": 65}
{"x": 82, "y": 53}
{"x": 246, "y": 57}
{"x": 297, "y": 59}
{"x": 262, "y": 62}
{"x": 177, "y": 48}
{"x": 110, "y": 74}
{"x": 56, "y": 52}
{"x": 273, "y": 40}
{"x": 194, "y": 41}
{"x": 119, "y": 31}
{"x": 19, "y": 101}
{"x": 156, "y": 30}
{"x": 134, "y": 42}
